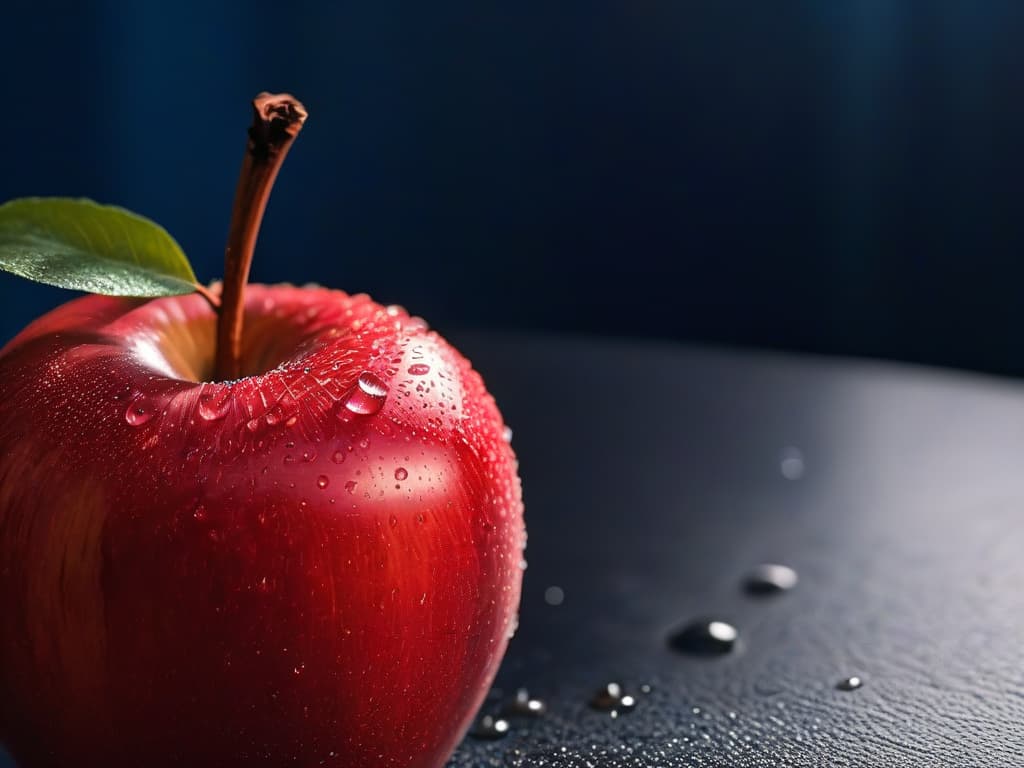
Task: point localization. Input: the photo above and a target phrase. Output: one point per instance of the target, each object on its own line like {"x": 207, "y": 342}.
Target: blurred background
{"x": 838, "y": 177}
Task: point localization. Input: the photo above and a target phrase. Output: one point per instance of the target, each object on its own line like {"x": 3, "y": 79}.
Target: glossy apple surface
{"x": 317, "y": 564}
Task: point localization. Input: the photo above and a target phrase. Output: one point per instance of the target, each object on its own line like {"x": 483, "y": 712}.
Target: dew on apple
{"x": 368, "y": 395}
{"x": 350, "y": 486}
{"x": 338, "y": 457}
{"x": 139, "y": 412}
{"x": 419, "y": 369}
{"x": 322, "y": 482}
{"x": 401, "y": 474}
{"x": 215, "y": 405}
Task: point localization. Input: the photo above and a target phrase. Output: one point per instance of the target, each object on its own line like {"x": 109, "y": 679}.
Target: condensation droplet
{"x": 368, "y": 395}
{"x": 506, "y": 434}
{"x": 139, "y": 412}
{"x": 322, "y": 482}
{"x": 350, "y": 486}
{"x": 215, "y": 405}
{"x": 393, "y": 521}
{"x": 338, "y": 457}
{"x": 419, "y": 369}
{"x": 401, "y": 474}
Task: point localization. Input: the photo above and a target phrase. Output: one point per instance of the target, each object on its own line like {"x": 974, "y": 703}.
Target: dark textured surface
{"x": 653, "y": 484}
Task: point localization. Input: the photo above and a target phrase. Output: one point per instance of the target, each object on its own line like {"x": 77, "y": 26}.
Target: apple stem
{"x": 278, "y": 119}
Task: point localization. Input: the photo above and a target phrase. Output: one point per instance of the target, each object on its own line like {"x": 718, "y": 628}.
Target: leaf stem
{"x": 211, "y": 298}
{"x": 277, "y": 121}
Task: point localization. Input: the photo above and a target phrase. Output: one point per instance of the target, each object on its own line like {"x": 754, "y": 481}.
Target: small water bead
{"x": 524, "y": 705}
{"x": 139, "y": 412}
{"x": 506, "y": 434}
{"x": 770, "y": 579}
{"x": 791, "y": 463}
{"x": 350, "y": 486}
{"x": 367, "y": 396}
{"x": 490, "y": 728}
{"x": 554, "y": 595}
{"x": 419, "y": 369}
{"x": 215, "y": 405}
{"x": 612, "y": 699}
{"x": 322, "y": 482}
{"x": 338, "y": 457}
{"x": 401, "y": 474}
{"x": 849, "y": 683}
{"x": 704, "y": 637}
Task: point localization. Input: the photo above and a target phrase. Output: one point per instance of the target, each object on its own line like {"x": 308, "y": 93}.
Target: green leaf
{"x": 84, "y": 246}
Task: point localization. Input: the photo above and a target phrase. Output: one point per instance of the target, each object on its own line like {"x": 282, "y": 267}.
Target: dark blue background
{"x": 830, "y": 176}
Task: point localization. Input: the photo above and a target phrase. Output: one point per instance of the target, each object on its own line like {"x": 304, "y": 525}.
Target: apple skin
{"x": 283, "y": 570}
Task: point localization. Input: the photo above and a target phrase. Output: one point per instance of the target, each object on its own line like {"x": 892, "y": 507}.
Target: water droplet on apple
{"x": 338, "y": 457}
{"x": 322, "y": 482}
{"x": 139, "y": 412}
{"x": 419, "y": 369}
{"x": 368, "y": 395}
{"x": 393, "y": 521}
{"x": 401, "y": 474}
{"x": 215, "y": 405}
{"x": 490, "y": 728}
{"x": 199, "y": 513}
{"x": 350, "y": 486}
{"x": 506, "y": 434}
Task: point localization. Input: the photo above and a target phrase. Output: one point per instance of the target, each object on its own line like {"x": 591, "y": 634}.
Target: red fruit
{"x": 318, "y": 563}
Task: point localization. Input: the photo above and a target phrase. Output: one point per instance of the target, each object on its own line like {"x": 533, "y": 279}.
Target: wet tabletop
{"x": 658, "y": 478}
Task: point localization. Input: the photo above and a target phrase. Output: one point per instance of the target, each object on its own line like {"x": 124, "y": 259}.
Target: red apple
{"x": 316, "y": 562}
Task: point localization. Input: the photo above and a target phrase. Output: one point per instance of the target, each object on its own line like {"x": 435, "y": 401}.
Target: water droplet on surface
{"x": 393, "y": 521}
{"x": 419, "y": 369}
{"x": 554, "y": 595}
{"x": 367, "y": 396}
{"x": 338, "y": 457}
{"x": 523, "y": 705}
{"x": 322, "y": 482}
{"x": 350, "y": 486}
{"x": 612, "y": 699}
{"x": 704, "y": 637}
{"x": 770, "y": 579}
{"x": 401, "y": 474}
{"x": 791, "y": 463}
{"x": 849, "y": 683}
{"x": 199, "y": 513}
{"x": 215, "y": 405}
{"x": 490, "y": 728}
{"x": 506, "y": 434}
{"x": 139, "y": 412}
